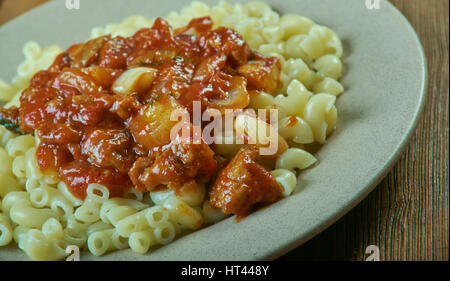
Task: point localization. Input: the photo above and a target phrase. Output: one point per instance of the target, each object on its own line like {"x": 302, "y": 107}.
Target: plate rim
{"x": 393, "y": 158}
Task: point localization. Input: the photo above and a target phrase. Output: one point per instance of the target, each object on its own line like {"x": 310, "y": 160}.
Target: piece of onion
{"x": 237, "y": 96}
{"x": 134, "y": 80}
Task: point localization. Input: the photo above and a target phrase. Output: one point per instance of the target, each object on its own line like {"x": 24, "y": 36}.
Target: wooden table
{"x": 406, "y": 216}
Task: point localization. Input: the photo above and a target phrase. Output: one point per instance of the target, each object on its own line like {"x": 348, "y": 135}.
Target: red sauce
{"x": 89, "y": 134}
{"x": 292, "y": 121}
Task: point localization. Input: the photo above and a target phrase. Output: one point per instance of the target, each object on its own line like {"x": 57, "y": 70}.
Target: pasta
{"x": 297, "y": 129}
{"x": 38, "y": 247}
{"x": 39, "y": 210}
{"x": 119, "y": 241}
{"x": 286, "y": 179}
{"x": 115, "y": 202}
{"x": 329, "y": 86}
{"x": 7, "y": 162}
{"x": 6, "y": 232}
{"x": 88, "y": 212}
{"x": 19, "y": 167}
{"x": 132, "y": 223}
{"x": 62, "y": 187}
{"x": 97, "y": 193}
{"x": 165, "y": 232}
{"x": 5, "y": 136}
{"x": 52, "y": 229}
{"x": 32, "y": 170}
{"x": 9, "y": 184}
{"x": 182, "y": 213}
{"x": 74, "y": 223}
{"x": 160, "y": 196}
{"x": 98, "y": 226}
{"x": 295, "y": 158}
{"x": 115, "y": 214}
{"x": 100, "y": 242}
{"x": 320, "y": 113}
{"x": 19, "y": 233}
{"x": 12, "y": 198}
{"x": 76, "y": 237}
{"x": 40, "y": 197}
{"x": 51, "y": 197}
{"x": 6, "y": 91}
{"x": 212, "y": 214}
{"x": 295, "y": 101}
{"x": 156, "y": 215}
{"x": 141, "y": 241}
{"x": 193, "y": 197}
{"x": 22, "y": 213}
{"x": 329, "y": 66}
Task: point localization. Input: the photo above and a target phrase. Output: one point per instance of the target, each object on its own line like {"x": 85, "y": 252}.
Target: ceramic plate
{"x": 385, "y": 77}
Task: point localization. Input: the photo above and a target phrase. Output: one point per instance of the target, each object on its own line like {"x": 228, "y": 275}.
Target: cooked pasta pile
{"x": 41, "y": 215}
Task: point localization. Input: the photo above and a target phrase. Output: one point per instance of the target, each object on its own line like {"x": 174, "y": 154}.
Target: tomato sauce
{"x": 90, "y": 134}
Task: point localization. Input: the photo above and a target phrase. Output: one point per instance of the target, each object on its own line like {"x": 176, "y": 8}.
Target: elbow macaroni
{"x": 212, "y": 214}
{"x": 165, "y": 232}
{"x": 22, "y": 213}
{"x": 6, "y": 232}
{"x": 38, "y": 247}
{"x": 180, "y": 212}
{"x": 141, "y": 241}
{"x": 295, "y": 158}
{"x": 100, "y": 242}
{"x": 321, "y": 114}
{"x": 156, "y": 216}
{"x": 132, "y": 223}
{"x": 53, "y": 229}
{"x": 286, "y": 179}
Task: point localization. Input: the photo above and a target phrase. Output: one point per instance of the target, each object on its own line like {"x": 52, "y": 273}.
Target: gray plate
{"x": 385, "y": 78}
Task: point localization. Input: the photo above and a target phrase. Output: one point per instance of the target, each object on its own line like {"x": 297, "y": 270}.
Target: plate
{"x": 385, "y": 79}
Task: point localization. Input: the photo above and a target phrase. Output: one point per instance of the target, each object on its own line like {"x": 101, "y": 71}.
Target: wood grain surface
{"x": 406, "y": 216}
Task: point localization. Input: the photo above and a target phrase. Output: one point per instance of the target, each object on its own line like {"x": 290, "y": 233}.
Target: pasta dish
{"x": 93, "y": 156}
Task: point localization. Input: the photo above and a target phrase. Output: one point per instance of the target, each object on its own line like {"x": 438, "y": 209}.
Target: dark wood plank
{"x": 407, "y": 214}
{"x": 10, "y": 9}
